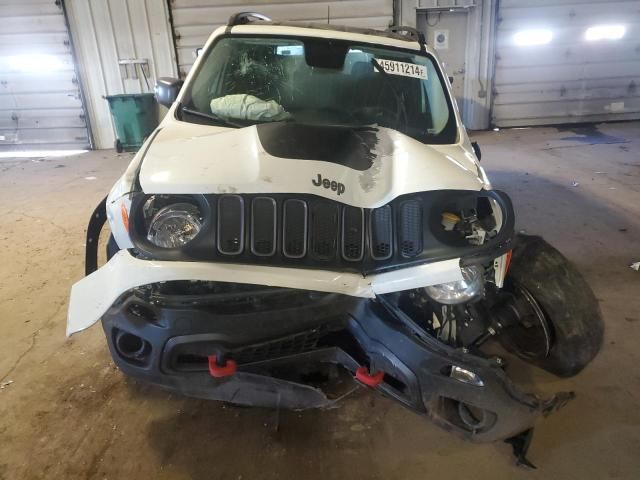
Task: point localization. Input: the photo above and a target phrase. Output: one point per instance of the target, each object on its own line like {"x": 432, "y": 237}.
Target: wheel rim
{"x": 530, "y": 336}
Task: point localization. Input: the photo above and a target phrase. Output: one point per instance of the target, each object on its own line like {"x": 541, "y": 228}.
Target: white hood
{"x": 186, "y": 158}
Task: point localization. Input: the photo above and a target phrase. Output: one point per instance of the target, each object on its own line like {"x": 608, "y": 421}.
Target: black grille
{"x": 281, "y": 347}
{"x": 410, "y": 228}
{"x": 308, "y": 231}
{"x": 191, "y": 359}
{"x": 263, "y": 226}
{"x": 324, "y": 229}
{"x": 295, "y": 229}
{"x": 230, "y": 224}
{"x": 381, "y": 233}
{"x": 352, "y": 233}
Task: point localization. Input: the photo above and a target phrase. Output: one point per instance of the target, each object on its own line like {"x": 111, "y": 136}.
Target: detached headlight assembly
{"x": 175, "y": 225}
{"x": 461, "y": 291}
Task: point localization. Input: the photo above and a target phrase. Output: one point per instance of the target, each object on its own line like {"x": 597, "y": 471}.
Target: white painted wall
{"x": 479, "y": 52}
{"x": 106, "y": 31}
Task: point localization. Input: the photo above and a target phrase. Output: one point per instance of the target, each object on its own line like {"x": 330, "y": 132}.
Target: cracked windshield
{"x": 248, "y": 80}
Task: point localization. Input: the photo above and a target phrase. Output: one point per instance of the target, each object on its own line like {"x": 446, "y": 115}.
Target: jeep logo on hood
{"x": 326, "y": 183}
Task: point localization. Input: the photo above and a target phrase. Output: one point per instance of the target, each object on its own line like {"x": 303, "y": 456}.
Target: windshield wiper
{"x": 400, "y": 107}
{"x": 209, "y": 116}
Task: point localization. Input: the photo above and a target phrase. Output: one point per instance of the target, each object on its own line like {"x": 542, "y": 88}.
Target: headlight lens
{"x": 174, "y": 225}
{"x": 451, "y": 293}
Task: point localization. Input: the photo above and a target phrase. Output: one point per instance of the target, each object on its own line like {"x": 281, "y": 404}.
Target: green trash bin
{"x": 134, "y": 116}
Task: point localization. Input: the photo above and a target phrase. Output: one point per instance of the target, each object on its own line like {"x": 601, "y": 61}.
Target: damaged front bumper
{"x": 94, "y": 294}
{"x": 274, "y": 334}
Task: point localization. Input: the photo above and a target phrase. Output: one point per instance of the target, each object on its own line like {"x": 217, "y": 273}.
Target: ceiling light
{"x": 605, "y": 32}
{"x": 525, "y": 38}
{"x": 35, "y": 63}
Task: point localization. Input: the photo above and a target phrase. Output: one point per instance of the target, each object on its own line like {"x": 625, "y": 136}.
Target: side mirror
{"x": 167, "y": 90}
{"x": 197, "y": 52}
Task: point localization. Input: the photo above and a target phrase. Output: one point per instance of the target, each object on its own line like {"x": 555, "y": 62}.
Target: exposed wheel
{"x": 563, "y": 328}
{"x": 118, "y": 146}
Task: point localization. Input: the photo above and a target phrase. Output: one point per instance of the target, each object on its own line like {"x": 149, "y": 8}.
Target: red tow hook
{"x": 220, "y": 371}
{"x": 369, "y": 379}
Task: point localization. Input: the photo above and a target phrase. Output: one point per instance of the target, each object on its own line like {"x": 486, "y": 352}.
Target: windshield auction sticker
{"x": 403, "y": 68}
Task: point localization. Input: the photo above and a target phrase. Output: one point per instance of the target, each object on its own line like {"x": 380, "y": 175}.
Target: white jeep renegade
{"x": 311, "y": 207}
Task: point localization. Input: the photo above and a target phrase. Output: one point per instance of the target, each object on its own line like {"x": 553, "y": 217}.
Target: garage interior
{"x": 556, "y": 112}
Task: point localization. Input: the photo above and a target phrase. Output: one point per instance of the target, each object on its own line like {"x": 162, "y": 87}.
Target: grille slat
{"x": 319, "y": 229}
{"x": 295, "y": 229}
{"x": 230, "y": 231}
{"x": 263, "y": 226}
{"x": 352, "y": 234}
{"x": 410, "y": 228}
{"x": 324, "y": 229}
{"x": 381, "y": 232}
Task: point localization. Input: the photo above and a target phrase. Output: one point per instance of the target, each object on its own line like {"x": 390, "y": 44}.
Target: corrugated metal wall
{"x": 108, "y": 31}
{"x": 568, "y": 79}
{"x": 194, "y": 20}
{"x": 40, "y": 101}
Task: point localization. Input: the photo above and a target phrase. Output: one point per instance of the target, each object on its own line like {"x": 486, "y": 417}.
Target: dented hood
{"x": 363, "y": 167}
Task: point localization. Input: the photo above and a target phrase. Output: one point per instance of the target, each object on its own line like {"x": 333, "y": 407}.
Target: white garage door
{"x": 564, "y": 61}
{"x": 40, "y": 102}
{"x": 194, "y": 20}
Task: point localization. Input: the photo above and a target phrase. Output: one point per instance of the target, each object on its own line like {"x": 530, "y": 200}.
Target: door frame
{"x": 78, "y": 75}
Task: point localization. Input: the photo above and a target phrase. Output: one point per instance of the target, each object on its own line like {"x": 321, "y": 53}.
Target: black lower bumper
{"x": 278, "y": 336}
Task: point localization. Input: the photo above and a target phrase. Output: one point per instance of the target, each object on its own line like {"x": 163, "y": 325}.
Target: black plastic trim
{"x": 362, "y": 234}
{"x": 97, "y": 221}
{"x": 241, "y": 222}
{"x": 386, "y": 208}
{"x": 253, "y": 227}
{"x": 284, "y": 228}
{"x": 362, "y": 332}
{"x": 436, "y": 244}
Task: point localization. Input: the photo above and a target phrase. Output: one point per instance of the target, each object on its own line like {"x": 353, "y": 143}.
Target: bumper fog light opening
{"x": 131, "y": 346}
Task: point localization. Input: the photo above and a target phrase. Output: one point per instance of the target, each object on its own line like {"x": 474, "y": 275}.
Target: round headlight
{"x": 461, "y": 291}
{"x": 174, "y": 225}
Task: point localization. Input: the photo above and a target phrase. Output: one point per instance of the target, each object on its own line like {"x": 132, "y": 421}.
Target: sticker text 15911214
{"x": 403, "y": 68}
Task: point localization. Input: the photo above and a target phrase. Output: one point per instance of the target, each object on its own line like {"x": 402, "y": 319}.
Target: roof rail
{"x": 243, "y": 18}
{"x": 409, "y": 32}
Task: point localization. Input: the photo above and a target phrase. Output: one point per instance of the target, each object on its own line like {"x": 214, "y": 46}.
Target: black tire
{"x": 567, "y": 300}
{"x": 112, "y": 247}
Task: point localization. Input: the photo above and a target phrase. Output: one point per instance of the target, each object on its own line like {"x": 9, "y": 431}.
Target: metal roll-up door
{"x": 194, "y": 20}
{"x": 549, "y": 70}
{"x": 40, "y": 102}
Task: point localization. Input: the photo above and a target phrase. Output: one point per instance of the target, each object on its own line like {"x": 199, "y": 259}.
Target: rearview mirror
{"x": 167, "y": 89}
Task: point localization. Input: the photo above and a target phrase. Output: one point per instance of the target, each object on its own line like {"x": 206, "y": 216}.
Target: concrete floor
{"x": 69, "y": 413}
